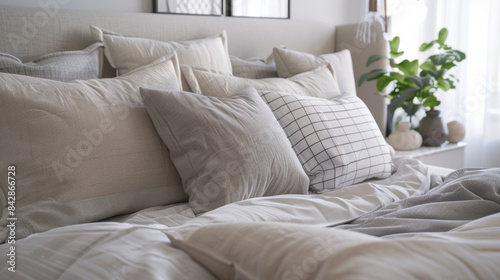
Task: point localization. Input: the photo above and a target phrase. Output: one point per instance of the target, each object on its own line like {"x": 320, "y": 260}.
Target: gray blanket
{"x": 463, "y": 196}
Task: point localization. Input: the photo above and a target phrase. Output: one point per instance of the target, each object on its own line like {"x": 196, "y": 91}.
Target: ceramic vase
{"x": 432, "y": 129}
{"x": 405, "y": 139}
{"x": 456, "y": 132}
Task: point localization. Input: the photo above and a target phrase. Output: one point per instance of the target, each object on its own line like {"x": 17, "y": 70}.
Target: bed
{"x": 141, "y": 146}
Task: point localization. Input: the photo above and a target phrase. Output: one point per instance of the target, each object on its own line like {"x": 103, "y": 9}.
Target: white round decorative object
{"x": 456, "y": 132}
{"x": 405, "y": 139}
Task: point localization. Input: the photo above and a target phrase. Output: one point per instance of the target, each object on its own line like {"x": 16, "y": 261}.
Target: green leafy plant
{"x": 414, "y": 85}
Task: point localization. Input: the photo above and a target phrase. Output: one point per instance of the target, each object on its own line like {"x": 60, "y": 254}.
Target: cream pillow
{"x": 290, "y": 63}
{"x": 83, "y": 150}
{"x": 226, "y": 149}
{"x": 319, "y": 82}
{"x": 126, "y": 53}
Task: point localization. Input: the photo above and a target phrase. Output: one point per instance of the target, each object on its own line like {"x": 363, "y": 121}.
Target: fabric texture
{"x": 465, "y": 195}
{"x": 84, "y": 150}
{"x": 290, "y": 63}
{"x": 319, "y": 82}
{"x": 253, "y": 68}
{"x": 226, "y": 149}
{"x": 126, "y": 53}
{"x": 60, "y": 66}
{"x": 337, "y": 141}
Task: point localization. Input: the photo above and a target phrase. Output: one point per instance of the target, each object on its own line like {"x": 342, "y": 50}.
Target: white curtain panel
{"x": 474, "y": 27}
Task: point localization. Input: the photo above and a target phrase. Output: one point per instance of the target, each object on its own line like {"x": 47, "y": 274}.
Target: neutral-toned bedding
{"x": 267, "y": 169}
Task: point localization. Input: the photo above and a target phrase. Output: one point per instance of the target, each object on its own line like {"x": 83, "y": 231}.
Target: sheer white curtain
{"x": 474, "y": 27}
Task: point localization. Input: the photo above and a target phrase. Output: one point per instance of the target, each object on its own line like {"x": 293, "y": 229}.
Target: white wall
{"x": 330, "y": 11}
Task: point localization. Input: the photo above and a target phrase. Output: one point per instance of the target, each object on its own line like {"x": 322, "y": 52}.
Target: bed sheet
{"x": 136, "y": 246}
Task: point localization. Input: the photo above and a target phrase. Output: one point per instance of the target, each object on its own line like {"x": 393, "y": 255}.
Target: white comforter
{"x": 137, "y": 246}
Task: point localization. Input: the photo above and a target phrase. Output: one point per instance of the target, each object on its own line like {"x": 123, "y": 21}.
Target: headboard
{"x": 28, "y": 33}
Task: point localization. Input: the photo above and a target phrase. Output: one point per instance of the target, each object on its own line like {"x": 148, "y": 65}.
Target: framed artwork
{"x": 259, "y": 8}
{"x": 189, "y": 7}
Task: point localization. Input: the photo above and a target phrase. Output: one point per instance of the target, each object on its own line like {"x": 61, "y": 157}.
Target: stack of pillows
{"x": 181, "y": 121}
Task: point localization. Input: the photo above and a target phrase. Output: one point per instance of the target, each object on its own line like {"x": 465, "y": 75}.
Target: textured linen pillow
{"x": 253, "y": 68}
{"x": 337, "y": 141}
{"x": 83, "y": 150}
{"x": 126, "y": 53}
{"x": 319, "y": 82}
{"x": 226, "y": 149}
{"x": 290, "y": 63}
{"x": 60, "y": 66}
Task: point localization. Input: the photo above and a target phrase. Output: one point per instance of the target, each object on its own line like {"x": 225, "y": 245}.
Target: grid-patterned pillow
{"x": 337, "y": 141}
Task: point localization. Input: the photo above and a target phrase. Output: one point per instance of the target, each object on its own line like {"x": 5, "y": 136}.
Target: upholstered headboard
{"x": 28, "y": 33}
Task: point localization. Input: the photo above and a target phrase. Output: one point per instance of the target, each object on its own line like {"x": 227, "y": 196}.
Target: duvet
{"x": 412, "y": 225}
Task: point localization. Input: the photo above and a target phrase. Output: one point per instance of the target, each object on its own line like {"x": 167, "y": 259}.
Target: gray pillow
{"x": 60, "y": 66}
{"x": 225, "y": 149}
{"x": 253, "y": 68}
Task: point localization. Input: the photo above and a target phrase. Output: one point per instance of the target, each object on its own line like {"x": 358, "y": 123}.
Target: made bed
{"x": 193, "y": 163}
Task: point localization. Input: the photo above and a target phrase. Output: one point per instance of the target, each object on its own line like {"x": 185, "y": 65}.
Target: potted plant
{"x": 414, "y": 86}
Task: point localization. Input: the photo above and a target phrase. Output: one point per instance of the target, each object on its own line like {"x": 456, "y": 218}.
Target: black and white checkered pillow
{"x": 337, "y": 141}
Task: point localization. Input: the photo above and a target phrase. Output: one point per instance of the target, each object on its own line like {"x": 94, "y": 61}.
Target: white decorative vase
{"x": 456, "y": 132}
{"x": 405, "y": 139}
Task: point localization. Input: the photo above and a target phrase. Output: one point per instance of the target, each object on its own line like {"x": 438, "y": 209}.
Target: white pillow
{"x": 83, "y": 150}
{"x": 319, "y": 82}
{"x": 337, "y": 141}
{"x": 226, "y": 149}
{"x": 290, "y": 63}
{"x": 63, "y": 66}
{"x": 126, "y": 53}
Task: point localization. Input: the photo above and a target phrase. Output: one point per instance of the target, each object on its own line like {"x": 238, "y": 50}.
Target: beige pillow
{"x": 290, "y": 63}
{"x": 226, "y": 149}
{"x": 60, "y": 66}
{"x": 261, "y": 250}
{"x": 83, "y": 150}
{"x": 126, "y": 53}
{"x": 319, "y": 82}
{"x": 337, "y": 140}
